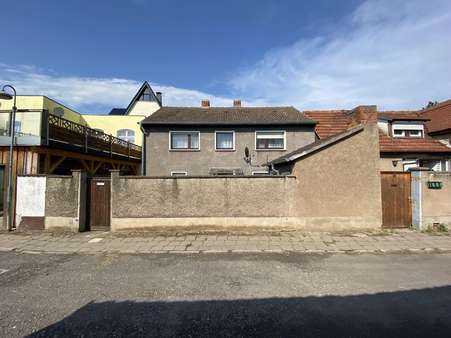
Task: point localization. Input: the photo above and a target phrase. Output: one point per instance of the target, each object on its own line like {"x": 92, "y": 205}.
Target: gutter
{"x": 143, "y": 153}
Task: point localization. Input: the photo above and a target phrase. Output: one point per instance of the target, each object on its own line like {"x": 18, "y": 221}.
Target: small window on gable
{"x": 146, "y": 95}
{"x": 126, "y": 135}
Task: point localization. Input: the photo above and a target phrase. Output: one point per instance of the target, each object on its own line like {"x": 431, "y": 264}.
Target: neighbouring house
{"x": 439, "y": 124}
{"x": 404, "y": 139}
{"x": 233, "y": 140}
{"x": 51, "y": 138}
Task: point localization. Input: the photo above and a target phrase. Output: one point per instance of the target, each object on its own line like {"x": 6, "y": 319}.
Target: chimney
{"x": 159, "y": 97}
{"x": 205, "y": 103}
{"x": 364, "y": 114}
{"x": 237, "y": 103}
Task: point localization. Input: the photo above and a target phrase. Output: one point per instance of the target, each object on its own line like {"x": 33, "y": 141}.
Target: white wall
{"x": 30, "y": 197}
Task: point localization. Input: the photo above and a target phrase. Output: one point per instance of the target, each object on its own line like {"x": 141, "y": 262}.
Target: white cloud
{"x": 94, "y": 95}
{"x": 393, "y": 53}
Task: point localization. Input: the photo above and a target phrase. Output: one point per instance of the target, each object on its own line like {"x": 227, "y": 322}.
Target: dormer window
{"x": 407, "y": 130}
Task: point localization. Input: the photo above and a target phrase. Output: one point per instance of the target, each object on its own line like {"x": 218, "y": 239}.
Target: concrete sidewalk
{"x": 316, "y": 242}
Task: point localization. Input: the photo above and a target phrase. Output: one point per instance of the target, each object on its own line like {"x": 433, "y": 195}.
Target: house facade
{"x": 190, "y": 141}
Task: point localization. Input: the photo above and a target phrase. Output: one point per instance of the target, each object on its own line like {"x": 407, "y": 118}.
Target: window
{"x": 179, "y": 173}
{"x": 146, "y": 95}
{"x": 407, "y": 130}
{"x": 260, "y": 173}
{"x": 184, "y": 140}
{"x": 225, "y": 140}
{"x": 271, "y": 140}
{"x": 126, "y": 135}
{"x": 17, "y": 127}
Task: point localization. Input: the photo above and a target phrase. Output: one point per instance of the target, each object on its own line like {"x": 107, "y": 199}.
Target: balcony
{"x": 39, "y": 128}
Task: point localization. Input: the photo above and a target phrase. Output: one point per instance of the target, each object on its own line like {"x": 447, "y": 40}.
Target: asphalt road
{"x": 234, "y": 295}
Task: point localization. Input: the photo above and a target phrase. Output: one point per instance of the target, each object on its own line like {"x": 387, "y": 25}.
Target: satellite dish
{"x": 58, "y": 111}
{"x": 246, "y": 152}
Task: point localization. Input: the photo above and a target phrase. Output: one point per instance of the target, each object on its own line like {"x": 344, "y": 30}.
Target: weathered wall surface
{"x": 147, "y": 201}
{"x": 386, "y": 164}
{"x": 435, "y": 203}
{"x": 339, "y": 187}
{"x": 335, "y": 188}
{"x": 160, "y": 161}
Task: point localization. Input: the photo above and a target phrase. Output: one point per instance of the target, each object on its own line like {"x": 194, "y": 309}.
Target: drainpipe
{"x": 143, "y": 150}
{"x": 274, "y": 169}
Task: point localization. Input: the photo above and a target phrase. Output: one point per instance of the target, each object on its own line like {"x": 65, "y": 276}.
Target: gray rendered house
{"x": 199, "y": 141}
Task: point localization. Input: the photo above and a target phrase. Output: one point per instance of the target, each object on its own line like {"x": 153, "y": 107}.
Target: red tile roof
{"x": 402, "y": 116}
{"x": 427, "y": 144}
{"x": 439, "y": 115}
{"x": 330, "y": 122}
{"x": 336, "y": 121}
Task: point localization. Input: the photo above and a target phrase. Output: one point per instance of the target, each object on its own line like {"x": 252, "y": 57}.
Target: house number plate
{"x": 100, "y": 183}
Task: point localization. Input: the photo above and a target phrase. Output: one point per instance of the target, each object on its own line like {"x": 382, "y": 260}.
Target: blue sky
{"x": 93, "y": 55}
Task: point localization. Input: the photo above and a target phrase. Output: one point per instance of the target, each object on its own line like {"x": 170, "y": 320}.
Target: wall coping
{"x": 207, "y": 177}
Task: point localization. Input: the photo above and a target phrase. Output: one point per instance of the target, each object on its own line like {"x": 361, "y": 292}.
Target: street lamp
{"x": 7, "y": 96}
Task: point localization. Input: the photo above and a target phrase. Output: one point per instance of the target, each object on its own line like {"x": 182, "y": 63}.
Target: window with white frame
{"x": 17, "y": 127}
{"x": 260, "y": 173}
{"x": 179, "y": 173}
{"x": 225, "y": 140}
{"x": 407, "y": 130}
{"x": 270, "y": 140}
{"x": 126, "y": 135}
{"x": 184, "y": 140}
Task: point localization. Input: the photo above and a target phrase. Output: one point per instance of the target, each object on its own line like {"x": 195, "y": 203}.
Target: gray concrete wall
{"x": 336, "y": 188}
{"x": 339, "y": 187}
{"x": 139, "y": 202}
{"x": 160, "y": 161}
{"x": 432, "y": 205}
{"x": 63, "y": 209}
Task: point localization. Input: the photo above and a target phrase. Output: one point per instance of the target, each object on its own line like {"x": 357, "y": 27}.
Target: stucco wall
{"x": 160, "y": 161}
{"x": 339, "y": 186}
{"x": 63, "y": 196}
{"x": 436, "y": 203}
{"x": 151, "y": 201}
{"x": 386, "y": 164}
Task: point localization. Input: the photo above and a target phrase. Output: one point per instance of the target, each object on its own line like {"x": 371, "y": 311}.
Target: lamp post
{"x": 5, "y": 95}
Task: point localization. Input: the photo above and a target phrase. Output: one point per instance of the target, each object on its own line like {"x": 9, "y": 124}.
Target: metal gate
{"x": 396, "y": 199}
{"x": 99, "y": 203}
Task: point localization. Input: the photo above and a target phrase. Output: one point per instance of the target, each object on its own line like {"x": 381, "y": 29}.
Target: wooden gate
{"x": 99, "y": 203}
{"x": 396, "y": 201}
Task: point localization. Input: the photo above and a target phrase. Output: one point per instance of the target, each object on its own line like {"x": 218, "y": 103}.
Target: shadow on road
{"x": 415, "y": 313}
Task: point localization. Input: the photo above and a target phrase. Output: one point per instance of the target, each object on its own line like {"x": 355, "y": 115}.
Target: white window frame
{"x": 183, "y": 131}
{"x": 233, "y": 140}
{"x": 407, "y": 126}
{"x": 128, "y": 130}
{"x": 176, "y": 173}
{"x": 272, "y": 131}
{"x": 260, "y": 173}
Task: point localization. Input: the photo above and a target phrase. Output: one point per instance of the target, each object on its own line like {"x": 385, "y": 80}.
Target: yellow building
{"x": 122, "y": 123}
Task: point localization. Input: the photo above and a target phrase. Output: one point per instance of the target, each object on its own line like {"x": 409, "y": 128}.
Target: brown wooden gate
{"x": 396, "y": 201}
{"x": 99, "y": 203}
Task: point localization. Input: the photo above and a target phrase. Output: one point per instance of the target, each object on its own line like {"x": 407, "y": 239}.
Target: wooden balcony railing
{"x": 88, "y": 139}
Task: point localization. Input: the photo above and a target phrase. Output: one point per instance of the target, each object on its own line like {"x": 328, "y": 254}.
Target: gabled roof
{"x": 126, "y": 111}
{"x": 318, "y": 145}
{"x": 227, "y": 116}
{"x": 440, "y": 117}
